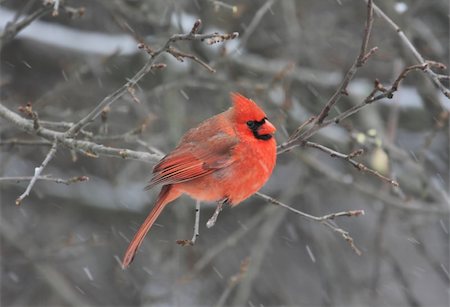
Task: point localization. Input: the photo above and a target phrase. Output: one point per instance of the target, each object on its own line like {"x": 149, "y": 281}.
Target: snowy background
{"x": 62, "y": 246}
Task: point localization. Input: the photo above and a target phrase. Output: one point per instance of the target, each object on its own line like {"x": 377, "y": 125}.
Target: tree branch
{"x": 13, "y": 28}
{"x": 431, "y": 74}
{"x": 359, "y": 62}
{"x": 88, "y": 148}
{"x": 37, "y": 172}
{"x": 191, "y": 36}
{"x": 349, "y": 158}
{"x": 325, "y": 219}
{"x": 45, "y": 178}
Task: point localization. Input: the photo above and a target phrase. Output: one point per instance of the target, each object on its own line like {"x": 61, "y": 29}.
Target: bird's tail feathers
{"x": 166, "y": 195}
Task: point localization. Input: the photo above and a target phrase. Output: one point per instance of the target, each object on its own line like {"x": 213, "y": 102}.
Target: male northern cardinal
{"x": 227, "y": 158}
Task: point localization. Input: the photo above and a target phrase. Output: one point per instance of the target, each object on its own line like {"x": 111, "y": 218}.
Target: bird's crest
{"x": 246, "y": 109}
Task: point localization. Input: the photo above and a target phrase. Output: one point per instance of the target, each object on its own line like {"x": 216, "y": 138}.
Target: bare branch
{"x": 12, "y": 29}
{"x": 69, "y": 181}
{"x": 318, "y": 121}
{"x": 297, "y": 139}
{"x": 345, "y": 235}
{"x": 330, "y": 216}
{"x": 86, "y": 147}
{"x": 431, "y": 74}
{"x": 37, "y": 172}
{"x": 323, "y": 219}
{"x": 349, "y": 158}
{"x": 108, "y": 100}
{"x": 411, "y": 206}
{"x": 179, "y": 55}
{"x": 254, "y": 23}
{"x": 359, "y": 62}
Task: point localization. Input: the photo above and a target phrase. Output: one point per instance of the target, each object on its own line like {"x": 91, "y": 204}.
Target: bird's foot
{"x": 212, "y": 220}
{"x": 185, "y": 242}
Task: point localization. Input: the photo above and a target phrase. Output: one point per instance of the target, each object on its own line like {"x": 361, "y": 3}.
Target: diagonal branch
{"x": 45, "y": 178}
{"x": 254, "y": 23}
{"x": 154, "y": 54}
{"x": 298, "y": 139}
{"x": 316, "y": 123}
{"x": 88, "y": 148}
{"x": 108, "y": 100}
{"x": 325, "y": 219}
{"x": 38, "y": 171}
{"x": 330, "y": 216}
{"x": 349, "y": 158}
{"x": 13, "y": 28}
{"x": 431, "y": 74}
{"x": 359, "y": 62}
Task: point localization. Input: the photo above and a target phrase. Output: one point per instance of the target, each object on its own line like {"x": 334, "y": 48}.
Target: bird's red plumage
{"x": 222, "y": 158}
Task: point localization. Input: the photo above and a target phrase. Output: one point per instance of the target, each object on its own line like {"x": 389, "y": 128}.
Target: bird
{"x": 225, "y": 159}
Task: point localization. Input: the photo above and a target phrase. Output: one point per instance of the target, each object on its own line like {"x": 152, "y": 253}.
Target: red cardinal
{"x": 227, "y": 158}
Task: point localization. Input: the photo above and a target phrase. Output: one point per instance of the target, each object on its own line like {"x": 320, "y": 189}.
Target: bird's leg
{"x": 196, "y": 227}
{"x": 212, "y": 221}
{"x": 197, "y": 222}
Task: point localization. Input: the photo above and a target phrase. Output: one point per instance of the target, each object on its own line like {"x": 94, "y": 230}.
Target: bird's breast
{"x": 252, "y": 170}
{"x": 252, "y": 166}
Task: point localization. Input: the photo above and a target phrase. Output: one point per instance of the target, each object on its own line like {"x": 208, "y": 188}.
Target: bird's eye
{"x": 251, "y": 124}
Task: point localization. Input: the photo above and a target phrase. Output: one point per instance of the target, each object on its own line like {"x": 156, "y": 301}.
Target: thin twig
{"x": 359, "y": 62}
{"x": 325, "y": 219}
{"x": 299, "y": 130}
{"x": 348, "y": 157}
{"x": 230, "y": 240}
{"x": 179, "y": 55}
{"x": 345, "y": 235}
{"x": 385, "y": 93}
{"x": 298, "y": 139}
{"x": 431, "y": 74}
{"x": 412, "y": 206}
{"x": 318, "y": 122}
{"x": 45, "y": 178}
{"x": 12, "y": 29}
{"x": 330, "y": 216}
{"x": 38, "y": 171}
{"x": 64, "y": 126}
{"x": 86, "y": 147}
{"x": 154, "y": 54}
{"x": 254, "y": 24}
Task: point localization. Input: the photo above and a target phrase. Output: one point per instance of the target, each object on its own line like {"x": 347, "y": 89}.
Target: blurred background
{"x": 63, "y": 245}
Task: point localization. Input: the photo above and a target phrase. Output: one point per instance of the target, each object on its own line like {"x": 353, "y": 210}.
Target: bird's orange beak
{"x": 267, "y": 128}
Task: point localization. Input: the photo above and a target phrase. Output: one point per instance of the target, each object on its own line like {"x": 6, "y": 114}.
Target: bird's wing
{"x": 194, "y": 159}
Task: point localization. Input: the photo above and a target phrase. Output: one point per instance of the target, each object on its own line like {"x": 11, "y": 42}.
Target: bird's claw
{"x": 185, "y": 242}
